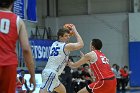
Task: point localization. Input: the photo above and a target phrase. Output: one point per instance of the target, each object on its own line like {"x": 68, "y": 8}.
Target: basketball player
{"x": 12, "y": 28}
{"x": 58, "y": 59}
{"x": 99, "y": 64}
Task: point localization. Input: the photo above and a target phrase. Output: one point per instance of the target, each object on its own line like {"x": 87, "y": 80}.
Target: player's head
{"x": 125, "y": 68}
{"x": 114, "y": 65}
{"x": 86, "y": 67}
{"x": 6, "y": 3}
{"x": 63, "y": 34}
{"x": 96, "y": 44}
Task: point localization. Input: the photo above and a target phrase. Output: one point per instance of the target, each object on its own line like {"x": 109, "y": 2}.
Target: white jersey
{"x": 58, "y": 58}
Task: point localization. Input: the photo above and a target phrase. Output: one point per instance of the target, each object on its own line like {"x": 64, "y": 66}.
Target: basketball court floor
{"x": 132, "y": 90}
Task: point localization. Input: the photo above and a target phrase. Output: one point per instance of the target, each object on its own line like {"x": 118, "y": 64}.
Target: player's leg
{"x": 49, "y": 81}
{"x": 60, "y": 89}
{"x": 43, "y": 91}
{"x": 93, "y": 86}
{"x": 9, "y": 79}
{"x": 45, "y": 80}
{"x": 83, "y": 90}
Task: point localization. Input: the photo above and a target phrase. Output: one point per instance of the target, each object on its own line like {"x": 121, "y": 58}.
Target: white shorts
{"x": 49, "y": 80}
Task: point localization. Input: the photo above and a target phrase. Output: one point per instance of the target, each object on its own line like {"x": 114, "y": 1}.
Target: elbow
{"x": 26, "y": 49}
{"x": 81, "y": 45}
{"x": 78, "y": 46}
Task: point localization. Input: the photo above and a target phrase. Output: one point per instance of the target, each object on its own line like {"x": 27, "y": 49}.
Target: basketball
{"x": 69, "y": 27}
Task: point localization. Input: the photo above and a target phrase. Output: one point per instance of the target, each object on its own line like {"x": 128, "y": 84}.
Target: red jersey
{"x": 8, "y": 38}
{"x": 101, "y": 67}
{"x": 124, "y": 73}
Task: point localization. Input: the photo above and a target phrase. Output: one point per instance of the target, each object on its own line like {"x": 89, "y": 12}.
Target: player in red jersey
{"x": 12, "y": 28}
{"x": 105, "y": 81}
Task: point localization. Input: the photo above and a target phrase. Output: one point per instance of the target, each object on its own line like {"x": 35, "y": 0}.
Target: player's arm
{"x": 86, "y": 58}
{"x": 27, "y": 54}
{"x": 75, "y": 46}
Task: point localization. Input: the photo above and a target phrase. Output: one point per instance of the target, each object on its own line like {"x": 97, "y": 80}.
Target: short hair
{"x": 62, "y": 31}
{"x": 6, "y": 3}
{"x": 125, "y": 67}
{"x": 97, "y": 43}
{"x": 114, "y": 65}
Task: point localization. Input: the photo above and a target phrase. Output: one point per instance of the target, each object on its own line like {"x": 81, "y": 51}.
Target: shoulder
{"x": 58, "y": 44}
{"x": 88, "y": 56}
{"x": 91, "y": 54}
{"x": 20, "y": 22}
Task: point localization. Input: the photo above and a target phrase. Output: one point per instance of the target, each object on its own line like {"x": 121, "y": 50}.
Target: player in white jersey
{"x": 58, "y": 59}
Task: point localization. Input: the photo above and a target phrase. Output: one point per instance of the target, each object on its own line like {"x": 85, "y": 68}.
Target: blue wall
{"x": 134, "y": 63}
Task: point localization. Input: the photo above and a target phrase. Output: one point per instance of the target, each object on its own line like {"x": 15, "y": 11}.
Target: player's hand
{"x": 73, "y": 28}
{"x": 32, "y": 81}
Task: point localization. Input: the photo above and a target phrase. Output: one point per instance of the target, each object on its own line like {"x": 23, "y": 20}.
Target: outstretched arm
{"x": 86, "y": 58}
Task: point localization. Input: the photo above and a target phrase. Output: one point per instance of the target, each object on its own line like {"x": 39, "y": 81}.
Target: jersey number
{"x": 55, "y": 51}
{"x": 4, "y": 25}
{"x": 104, "y": 60}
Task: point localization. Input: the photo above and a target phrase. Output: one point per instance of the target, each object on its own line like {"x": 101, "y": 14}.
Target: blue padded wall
{"x": 134, "y": 63}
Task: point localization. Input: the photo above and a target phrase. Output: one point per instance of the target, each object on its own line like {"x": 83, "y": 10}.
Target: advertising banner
{"x": 41, "y": 49}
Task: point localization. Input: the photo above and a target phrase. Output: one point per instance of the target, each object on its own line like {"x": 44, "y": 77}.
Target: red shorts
{"x": 8, "y": 78}
{"x": 102, "y": 86}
